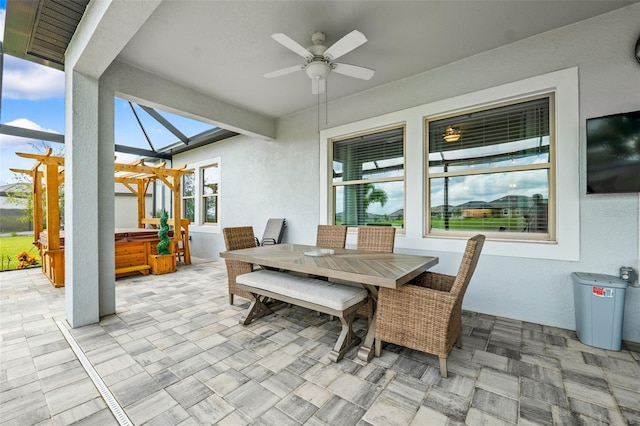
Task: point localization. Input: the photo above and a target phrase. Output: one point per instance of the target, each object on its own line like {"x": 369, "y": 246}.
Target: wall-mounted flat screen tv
{"x": 613, "y": 154}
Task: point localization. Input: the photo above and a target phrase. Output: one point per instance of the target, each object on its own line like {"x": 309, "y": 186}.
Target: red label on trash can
{"x": 602, "y": 292}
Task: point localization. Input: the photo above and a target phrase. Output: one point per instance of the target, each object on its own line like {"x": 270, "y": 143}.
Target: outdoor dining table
{"x": 370, "y": 269}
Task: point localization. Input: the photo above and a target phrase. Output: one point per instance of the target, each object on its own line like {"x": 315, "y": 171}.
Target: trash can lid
{"x": 604, "y": 280}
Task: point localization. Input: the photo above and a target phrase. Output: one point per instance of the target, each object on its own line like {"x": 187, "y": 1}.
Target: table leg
{"x": 366, "y": 351}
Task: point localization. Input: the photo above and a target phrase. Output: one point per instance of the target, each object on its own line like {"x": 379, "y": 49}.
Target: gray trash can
{"x": 599, "y": 305}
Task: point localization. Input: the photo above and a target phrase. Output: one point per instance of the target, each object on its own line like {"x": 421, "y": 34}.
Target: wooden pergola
{"x": 48, "y": 174}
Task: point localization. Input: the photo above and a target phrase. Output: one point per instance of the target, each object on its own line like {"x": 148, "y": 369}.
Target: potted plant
{"x": 164, "y": 261}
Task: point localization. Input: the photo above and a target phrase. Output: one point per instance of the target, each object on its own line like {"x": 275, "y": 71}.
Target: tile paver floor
{"x": 175, "y": 354}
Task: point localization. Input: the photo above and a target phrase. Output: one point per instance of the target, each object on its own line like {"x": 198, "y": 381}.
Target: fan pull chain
{"x": 318, "y": 114}
{"x": 326, "y": 108}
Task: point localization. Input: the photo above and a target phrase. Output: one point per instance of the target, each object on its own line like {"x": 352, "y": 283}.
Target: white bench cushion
{"x": 332, "y": 295}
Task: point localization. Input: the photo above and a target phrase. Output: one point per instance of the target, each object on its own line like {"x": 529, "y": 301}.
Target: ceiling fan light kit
{"x": 451, "y": 135}
{"x": 319, "y": 58}
{"x": 318, "y": 70}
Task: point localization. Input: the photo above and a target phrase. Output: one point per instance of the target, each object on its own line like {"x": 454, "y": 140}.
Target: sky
{"x": 33, "y": 98}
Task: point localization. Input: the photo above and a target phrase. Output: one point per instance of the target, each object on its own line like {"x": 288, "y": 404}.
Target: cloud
{"x": 124, "y": 158}
{"x": 24, "y": 80}
{"x": 8, "y": 140}
{"x": 490, "y": 187}
{"x": 3, "y": 14}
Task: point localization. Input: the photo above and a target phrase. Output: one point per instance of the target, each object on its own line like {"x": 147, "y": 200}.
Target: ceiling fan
{"x": 319, "y": 58}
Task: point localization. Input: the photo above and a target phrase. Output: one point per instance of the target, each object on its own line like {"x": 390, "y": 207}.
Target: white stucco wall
{"x": 262, "y": 179}
{"x": 126, "y": 207}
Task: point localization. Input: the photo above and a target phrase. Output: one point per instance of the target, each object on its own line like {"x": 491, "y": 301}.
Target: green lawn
{"x": 511, "y": 224}
{"x": 11, "y": 247}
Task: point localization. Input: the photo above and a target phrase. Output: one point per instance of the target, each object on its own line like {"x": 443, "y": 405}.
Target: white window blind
{"x": 490, "y": 171}
{"x": 368, "y": 178}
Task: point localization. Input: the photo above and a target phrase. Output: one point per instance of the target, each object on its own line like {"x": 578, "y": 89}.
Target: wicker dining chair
{"x": 376, "y": 238}
{"x": 380, "y": 239}
{"x": 331, "y": 236}
{"x": 426, "y": 314}
{"x": 235, "y": 239}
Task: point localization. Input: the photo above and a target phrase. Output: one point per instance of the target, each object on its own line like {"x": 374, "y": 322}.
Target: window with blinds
{"x": 368, "y": 178}
{"x": 490, "y": 171}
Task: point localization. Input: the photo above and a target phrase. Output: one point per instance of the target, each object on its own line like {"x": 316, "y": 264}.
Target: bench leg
{"x": 256, "y": 310}
{"x": 347, "y": 339}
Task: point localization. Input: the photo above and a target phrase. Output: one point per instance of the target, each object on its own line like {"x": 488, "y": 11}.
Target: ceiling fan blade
{"x": 345, "y": 45}
{"x": 290, "y": 44}
{"x": 283, "y": 71}
{"x": 318, "y": 85}
{"x": 353, "y": 71}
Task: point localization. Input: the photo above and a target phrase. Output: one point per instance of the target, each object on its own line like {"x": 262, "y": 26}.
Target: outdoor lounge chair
{"x": 273, "y": 232}
{"x": 235, "y": 239}
{"x": 426, "y": 314}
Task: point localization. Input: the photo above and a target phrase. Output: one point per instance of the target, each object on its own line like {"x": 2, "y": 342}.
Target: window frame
{"x": 366, "y": 132}
{"x": 564, "y": 83}
{"x": 184, "y": 197}
{"x": 204, "y": 196}
{"x": 199, "y": 225}
{"x": 550, "y": 166}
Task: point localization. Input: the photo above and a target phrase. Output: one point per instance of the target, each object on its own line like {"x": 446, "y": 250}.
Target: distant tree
{"x": 22, "y": 194}
{"x": 373, "y": 195}
{"x": 370, "y": 194}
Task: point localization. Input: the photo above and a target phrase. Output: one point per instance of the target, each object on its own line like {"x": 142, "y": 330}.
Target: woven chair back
{"x": 467, "y": 265}
{"x": 376, "y": 238}
{"x": 239, "y": 237}
{"x": 234, "y": 239}
{"x": 331, "y": 236}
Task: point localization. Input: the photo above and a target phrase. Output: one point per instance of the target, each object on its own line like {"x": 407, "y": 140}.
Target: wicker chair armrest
{"x": 429, "y": 295}
{"x": 431, "y": 302}
{"x": 434, "y": 280}
{"x": 413, "y": 310}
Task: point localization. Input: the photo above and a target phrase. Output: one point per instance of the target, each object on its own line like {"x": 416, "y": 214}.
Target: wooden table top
{"x": 380, "y": 269}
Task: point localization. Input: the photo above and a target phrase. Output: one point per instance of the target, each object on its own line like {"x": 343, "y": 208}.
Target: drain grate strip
{"x": 113, "y": 405}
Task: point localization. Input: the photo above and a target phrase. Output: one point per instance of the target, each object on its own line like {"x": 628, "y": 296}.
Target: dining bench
{"x": 340, "y": 300}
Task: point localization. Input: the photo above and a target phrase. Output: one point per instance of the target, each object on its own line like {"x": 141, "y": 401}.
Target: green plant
{"x": 163, "y": 234}
{"x": 26, "y": 260}
{"x": 2, "y": 260}
{"x": 10, "y": 246}
{"x": 373, "y": 195}
{"x": 22, "y": 193}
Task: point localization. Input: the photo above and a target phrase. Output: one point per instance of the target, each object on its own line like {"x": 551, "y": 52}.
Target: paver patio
{"x": 175, "y": 354}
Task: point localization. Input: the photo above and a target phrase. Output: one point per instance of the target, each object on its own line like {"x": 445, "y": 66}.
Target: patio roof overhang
{"x": 40, "y": 31}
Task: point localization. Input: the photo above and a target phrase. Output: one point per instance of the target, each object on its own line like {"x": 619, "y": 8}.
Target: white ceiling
{"x": 223, "y": 48}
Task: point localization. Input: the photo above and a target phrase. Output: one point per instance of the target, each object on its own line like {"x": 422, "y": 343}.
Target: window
{"x": 188, "y": 197}
{"x": 368, "y": 178}
{"x": 557, "y": 166}
{"x": 201, "y": 196}
{"x": 210, "y": 180}
{"x": 491, "y": 171}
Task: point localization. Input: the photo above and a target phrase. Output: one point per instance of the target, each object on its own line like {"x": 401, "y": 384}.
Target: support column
{"x": 85, "y": 225}
{"x": 106, "y": 28}
{"x": 106, "y": 201}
